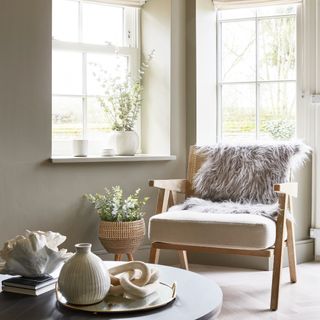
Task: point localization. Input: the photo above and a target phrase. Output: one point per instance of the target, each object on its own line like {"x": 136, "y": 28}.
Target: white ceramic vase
{"x": 84, "y": 279}
{"x": 126, "y": 143}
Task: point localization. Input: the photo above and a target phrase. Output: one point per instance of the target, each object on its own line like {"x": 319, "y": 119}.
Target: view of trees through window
{"x": 257, "y": 73}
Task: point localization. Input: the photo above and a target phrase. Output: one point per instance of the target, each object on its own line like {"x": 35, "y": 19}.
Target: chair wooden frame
{"x": 167, "y": 197}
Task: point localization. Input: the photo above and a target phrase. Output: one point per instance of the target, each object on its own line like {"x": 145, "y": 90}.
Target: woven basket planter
{"x": 121, "y": 237}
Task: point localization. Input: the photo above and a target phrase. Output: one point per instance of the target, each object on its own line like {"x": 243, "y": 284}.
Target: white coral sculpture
{"x": 34, "y": 255}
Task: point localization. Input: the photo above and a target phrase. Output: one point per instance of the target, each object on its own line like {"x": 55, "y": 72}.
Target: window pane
{"x": 276, "y": 10}
{"x": 66, "y": 72}
{"x": 66, "y": 118}
{"x": 238, "y": 112}
{"x": 236, "y": 14}
{"x": 101, "y": 66}
{"x": 277, "y": 110}
{"x": 238, "y": 51}
{"x": 65, "y": 17}
{"x": 102, "y": 24}
{"x": 277, "y": 52}
{"x": 98, "y": 122}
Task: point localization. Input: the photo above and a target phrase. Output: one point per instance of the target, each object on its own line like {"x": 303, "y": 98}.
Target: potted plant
{"x": 122, "y": 102}
{"x": 122, "y": 226}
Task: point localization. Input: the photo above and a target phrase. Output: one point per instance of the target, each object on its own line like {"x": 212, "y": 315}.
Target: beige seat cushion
{"x": 239, "y": 231}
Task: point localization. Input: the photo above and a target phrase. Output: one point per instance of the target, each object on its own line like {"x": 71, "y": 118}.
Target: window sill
{"x": 94, "y": 159}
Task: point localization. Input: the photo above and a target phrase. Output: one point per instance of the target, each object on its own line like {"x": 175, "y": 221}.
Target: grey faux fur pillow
{"x": 246, "y": 173}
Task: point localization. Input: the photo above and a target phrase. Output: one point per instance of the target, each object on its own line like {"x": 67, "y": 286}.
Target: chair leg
{"x": 130, "y": 257}
{"x": 278, "y": 251}
{"x": 183, "y": 259}
{"x": 154, "y": 254}
{"x": 276, "y": 275}
{"x": 291, "y": 252}
{"x": 117, "y": 257}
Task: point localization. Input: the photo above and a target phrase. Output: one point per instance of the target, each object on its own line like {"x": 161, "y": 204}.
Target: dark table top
{"x": 197, "y": 298}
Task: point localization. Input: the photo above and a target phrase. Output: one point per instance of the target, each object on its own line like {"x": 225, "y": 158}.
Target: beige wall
{"x": 156, "y": 35}
{"x": 34, "y": 193}
{"x": 191, "y": 72}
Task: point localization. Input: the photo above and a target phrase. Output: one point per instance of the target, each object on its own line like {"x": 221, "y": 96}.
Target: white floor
{"x": 246, "y": 293}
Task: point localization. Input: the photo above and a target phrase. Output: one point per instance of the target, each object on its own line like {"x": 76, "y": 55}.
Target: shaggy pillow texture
{"x": 246, "y": 173}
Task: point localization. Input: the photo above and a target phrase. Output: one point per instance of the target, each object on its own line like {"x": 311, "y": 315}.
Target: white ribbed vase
{"x": 83, "y": 278}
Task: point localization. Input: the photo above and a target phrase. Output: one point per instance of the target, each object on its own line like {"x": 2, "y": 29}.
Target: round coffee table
{"x": 197, "y": 298}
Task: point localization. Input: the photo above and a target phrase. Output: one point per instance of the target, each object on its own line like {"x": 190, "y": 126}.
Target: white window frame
{"x": 130, "y": 49}
{"x": 220, "y": 83}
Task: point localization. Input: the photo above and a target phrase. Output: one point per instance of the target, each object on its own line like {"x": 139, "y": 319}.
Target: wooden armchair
{"x": 283, "y": 234}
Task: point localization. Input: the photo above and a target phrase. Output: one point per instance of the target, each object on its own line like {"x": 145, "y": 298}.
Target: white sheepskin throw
{"x": 201, "y": 205}
{"x": 247, "y": 173}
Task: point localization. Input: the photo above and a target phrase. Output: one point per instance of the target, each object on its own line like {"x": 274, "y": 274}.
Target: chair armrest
{"x": 167, "y": 194}
{"x": 289, "y": 188}
{"x": 176, "y": 185}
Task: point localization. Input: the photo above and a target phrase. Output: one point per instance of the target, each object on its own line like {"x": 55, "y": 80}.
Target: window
{"x": 87, "y": 34}
{"x": 256, "y": 73}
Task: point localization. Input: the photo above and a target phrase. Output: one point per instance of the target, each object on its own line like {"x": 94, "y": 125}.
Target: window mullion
{"x": 125, "y": 35}
{"x": 257, "y": 85}
{"x": 84, "y": 74}
{"x": 219, "y": 80}
{"x": 258, "y": 18}
{"x": 129, "y": 30}
{"x": 84, "y": 97}
{"x": 80, "y": 36}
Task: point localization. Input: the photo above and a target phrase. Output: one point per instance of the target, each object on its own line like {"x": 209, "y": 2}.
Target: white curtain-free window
{"x": 86, "y": 34}
{"x": 256, "y": 73}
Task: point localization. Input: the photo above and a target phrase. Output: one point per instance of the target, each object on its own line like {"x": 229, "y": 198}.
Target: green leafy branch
{"x": 122, "y": 98}
{"x": 112, "y": 206}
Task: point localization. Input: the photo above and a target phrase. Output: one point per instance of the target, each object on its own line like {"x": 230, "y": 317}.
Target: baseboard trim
{"x": 305, "y": 253}
{"x": 167, "y": 257}
{"x": 315, "y": 233}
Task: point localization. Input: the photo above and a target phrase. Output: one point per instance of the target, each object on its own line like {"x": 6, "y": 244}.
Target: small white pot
{"x": 80, "y": 148}
{"x": 126, "y": 143}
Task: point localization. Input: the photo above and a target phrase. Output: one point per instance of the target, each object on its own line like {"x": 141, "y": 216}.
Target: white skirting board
{"x": 315, "y": 234}
{"x": 305, "y": 252}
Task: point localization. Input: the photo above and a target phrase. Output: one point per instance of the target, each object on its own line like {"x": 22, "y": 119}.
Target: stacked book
{"x": 30, "y": 286}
